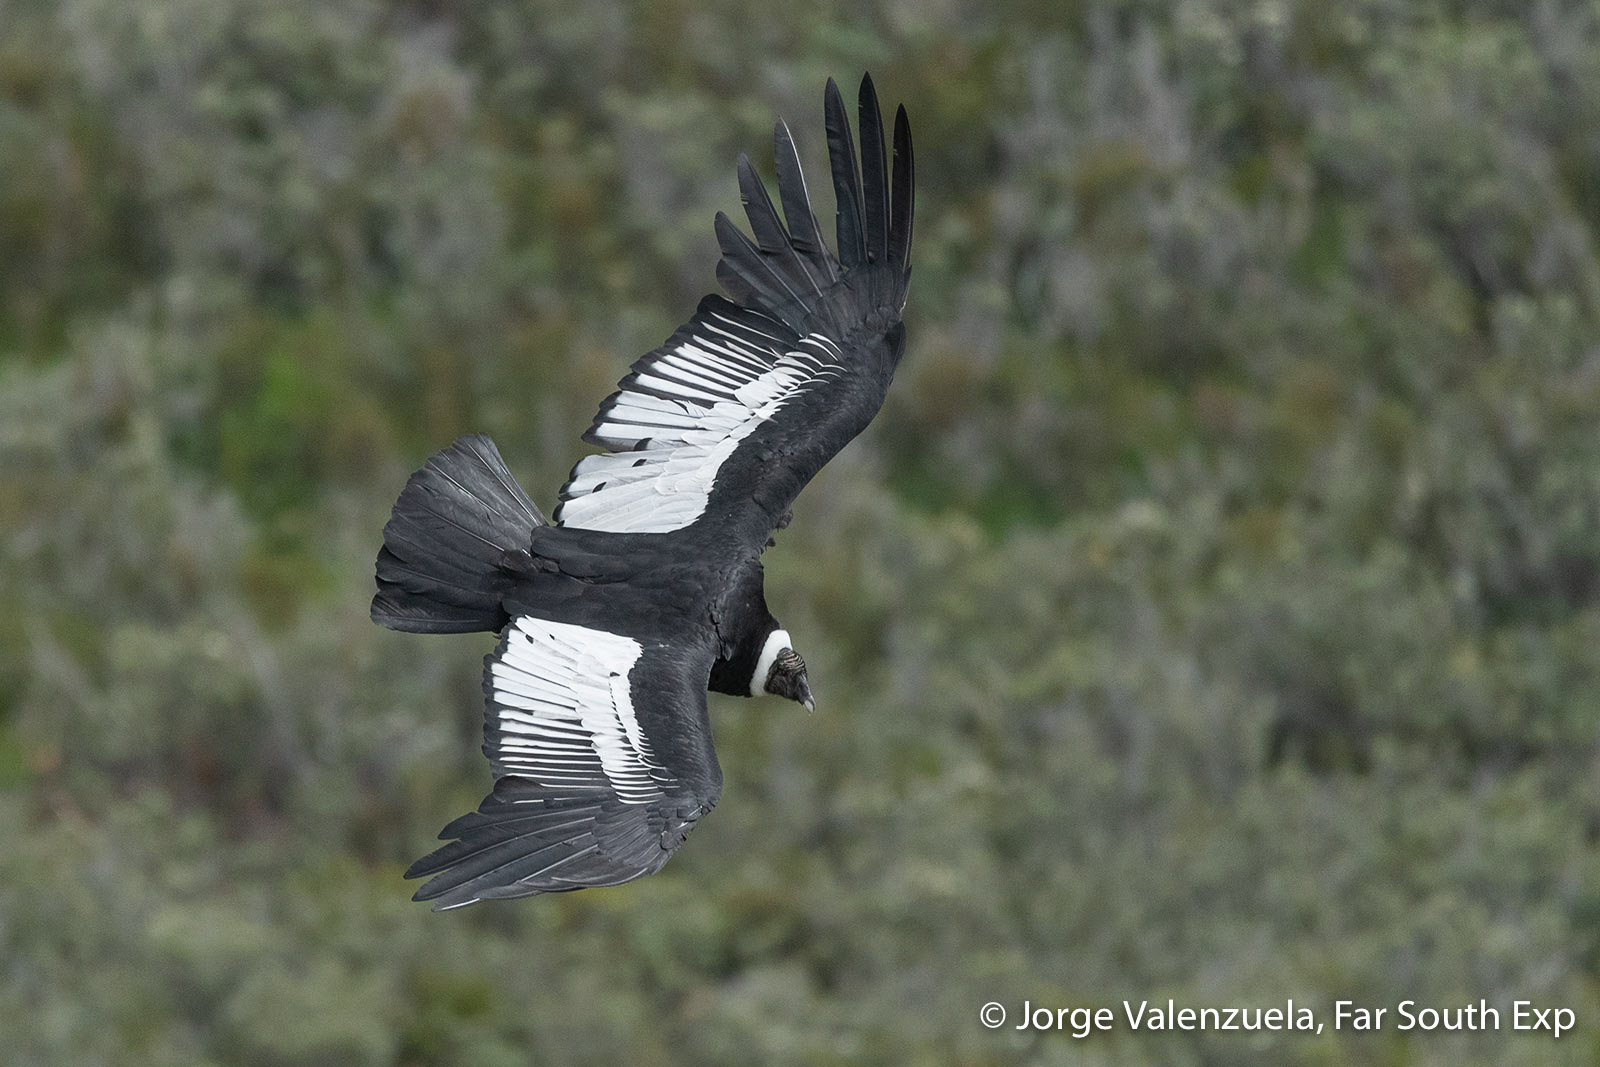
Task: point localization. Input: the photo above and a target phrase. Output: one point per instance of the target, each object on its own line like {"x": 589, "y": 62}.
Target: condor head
{"x": 781, "y": 672}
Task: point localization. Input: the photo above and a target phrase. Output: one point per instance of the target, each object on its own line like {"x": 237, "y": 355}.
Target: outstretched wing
{"x": 601, "y": 750}
{"x": 729, "y": 419}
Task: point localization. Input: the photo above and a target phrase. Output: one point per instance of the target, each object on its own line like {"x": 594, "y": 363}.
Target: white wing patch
{"x": 679, "y": 419}
{"x": 564, "y": 711}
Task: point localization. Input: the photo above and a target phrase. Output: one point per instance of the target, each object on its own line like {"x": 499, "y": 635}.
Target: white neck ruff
{"x": 777, "y": 641}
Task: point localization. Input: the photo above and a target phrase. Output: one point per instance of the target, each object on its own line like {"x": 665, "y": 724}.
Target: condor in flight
{"x": 647, "y": 590}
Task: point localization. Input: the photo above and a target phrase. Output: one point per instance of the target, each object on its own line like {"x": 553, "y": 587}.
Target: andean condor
{"x": 647, "y": 590}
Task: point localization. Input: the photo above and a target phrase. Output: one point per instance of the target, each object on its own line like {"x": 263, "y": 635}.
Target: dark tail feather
{"x": 439, "y": 570}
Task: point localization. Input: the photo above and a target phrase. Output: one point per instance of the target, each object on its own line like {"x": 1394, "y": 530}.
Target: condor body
{"x": 646, "y": 591}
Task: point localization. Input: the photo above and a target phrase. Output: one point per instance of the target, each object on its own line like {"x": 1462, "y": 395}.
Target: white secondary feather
{"x": 680, "y": 419}
{"x": 565, "y": 712}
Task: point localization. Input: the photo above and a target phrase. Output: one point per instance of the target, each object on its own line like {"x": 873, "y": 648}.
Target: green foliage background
{"x": 1212, "y": 612}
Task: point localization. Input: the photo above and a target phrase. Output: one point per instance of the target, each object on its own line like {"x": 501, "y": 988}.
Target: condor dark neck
{"x": 732, "y": 676}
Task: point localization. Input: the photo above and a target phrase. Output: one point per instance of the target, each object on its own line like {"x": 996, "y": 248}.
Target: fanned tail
{"x": 440, "y": 569}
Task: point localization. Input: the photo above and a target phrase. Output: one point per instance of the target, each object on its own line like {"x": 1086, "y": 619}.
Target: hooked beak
{"x": 805, "y": 696}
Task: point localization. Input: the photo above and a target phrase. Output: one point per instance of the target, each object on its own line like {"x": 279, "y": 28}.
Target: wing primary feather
{"x": 501, "y": 865}
{"x": 846, "y": 179}
{"x": 804, "y": 233}
{"x": 489, "y": 837}
{"x": 902, "y": 201}
{"x": 775, "y": 244}
{"x": 743, "y": 260}
{"x": 758, "y": 208}
{"x": 874, "y": 172}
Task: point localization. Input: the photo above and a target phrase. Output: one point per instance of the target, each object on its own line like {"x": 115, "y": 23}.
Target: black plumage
{"x": 441, "y": 568}
{"x": 647, "y": 591}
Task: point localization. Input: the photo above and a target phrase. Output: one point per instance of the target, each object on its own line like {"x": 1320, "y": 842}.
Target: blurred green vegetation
{"x": 1212, "y": 613}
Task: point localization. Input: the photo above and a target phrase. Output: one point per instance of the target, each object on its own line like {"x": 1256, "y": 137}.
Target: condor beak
{"x": 805, "y": 696}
